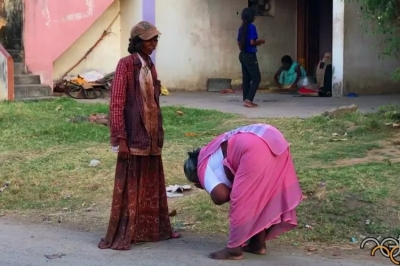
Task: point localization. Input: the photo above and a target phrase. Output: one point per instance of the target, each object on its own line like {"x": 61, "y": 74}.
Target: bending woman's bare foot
{"x": 255, "y": 249}
{"x": 226, "y": 254}
{"x": 257, "y": 244}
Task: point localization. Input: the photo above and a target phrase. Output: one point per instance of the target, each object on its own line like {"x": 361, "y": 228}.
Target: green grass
{"x": 45, "y": 156}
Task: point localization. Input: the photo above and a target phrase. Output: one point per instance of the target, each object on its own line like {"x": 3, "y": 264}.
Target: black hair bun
{"x": 194, "y": 154}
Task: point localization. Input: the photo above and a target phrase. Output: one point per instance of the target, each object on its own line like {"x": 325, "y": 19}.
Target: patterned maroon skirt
{"x": 139, "y": 211}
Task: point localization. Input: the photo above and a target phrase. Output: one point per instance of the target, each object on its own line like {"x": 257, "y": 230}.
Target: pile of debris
{"x": 100, "y": 118}
{"x": 90, "y": 85}
{"x": 4, "y": 186}
{"x": 177, "y": 190}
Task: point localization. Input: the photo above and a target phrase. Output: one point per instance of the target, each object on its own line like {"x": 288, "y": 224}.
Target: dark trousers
{"x": 251, "y": 75}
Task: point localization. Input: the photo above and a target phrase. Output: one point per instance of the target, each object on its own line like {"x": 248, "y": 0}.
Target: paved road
{"x": 26, "y": 245}
{"x": 270, "y": 105}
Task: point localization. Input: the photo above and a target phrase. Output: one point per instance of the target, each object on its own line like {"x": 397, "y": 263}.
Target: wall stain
{"x": 337, "y": 89}
{"x": 3, "y": 78}
{"x": 3, "y": 69}
{"x": 11, "y": 34}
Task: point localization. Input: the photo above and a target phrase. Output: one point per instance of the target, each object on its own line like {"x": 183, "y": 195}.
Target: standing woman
{"x": 139, "y": 211}
{"x": 248, "y": 42}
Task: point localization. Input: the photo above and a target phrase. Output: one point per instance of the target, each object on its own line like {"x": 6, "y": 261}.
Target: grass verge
{"x": 347, "y": 167}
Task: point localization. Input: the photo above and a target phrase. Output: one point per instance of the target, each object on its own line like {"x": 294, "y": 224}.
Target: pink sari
{"x": 266, "y": 190}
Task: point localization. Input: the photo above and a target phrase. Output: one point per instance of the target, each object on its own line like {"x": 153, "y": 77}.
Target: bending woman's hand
{"x": 123, "y": 152}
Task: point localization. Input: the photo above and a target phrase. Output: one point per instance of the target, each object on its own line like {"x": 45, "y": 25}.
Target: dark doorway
{"x": 11, "y": 34}
{"x": 314, "y": 32}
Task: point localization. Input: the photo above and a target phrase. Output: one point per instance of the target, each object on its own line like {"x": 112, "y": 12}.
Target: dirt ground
{"x": 23, "y": 242}
{"x": 389, "y": 152}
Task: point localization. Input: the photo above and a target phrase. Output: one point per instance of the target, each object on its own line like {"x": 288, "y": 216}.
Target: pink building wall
{"x": 51, "y": 27}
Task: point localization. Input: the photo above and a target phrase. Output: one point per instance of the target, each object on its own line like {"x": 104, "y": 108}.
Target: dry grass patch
{"x": 388, "y": 152}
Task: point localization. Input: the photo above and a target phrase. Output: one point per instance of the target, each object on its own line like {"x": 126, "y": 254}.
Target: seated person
{"x": 324, "y": 76}
{"x": 289, "y": 73}
{"x": 323, "y": 87}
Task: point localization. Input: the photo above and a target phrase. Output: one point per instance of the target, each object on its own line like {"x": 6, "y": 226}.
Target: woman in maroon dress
{"x": 139, "y": 211}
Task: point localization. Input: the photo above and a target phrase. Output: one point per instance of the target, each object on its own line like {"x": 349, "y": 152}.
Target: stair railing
{"x": 6, "y": 75}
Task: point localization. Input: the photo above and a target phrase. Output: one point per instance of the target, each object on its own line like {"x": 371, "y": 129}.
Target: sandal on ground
{"x": 175, "y": 235}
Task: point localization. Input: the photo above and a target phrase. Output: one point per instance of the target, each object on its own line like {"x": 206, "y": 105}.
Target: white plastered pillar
{"x": 338, "y": 48}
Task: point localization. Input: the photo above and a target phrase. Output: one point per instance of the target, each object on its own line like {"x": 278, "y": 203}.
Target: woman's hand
{"x": 123, "y": 152}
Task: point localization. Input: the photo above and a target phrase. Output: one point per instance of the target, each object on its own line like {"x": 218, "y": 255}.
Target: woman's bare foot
{"x": 257, "y": 244}
{"x": 226, "y": 254}
{"x": 255, "y": 249}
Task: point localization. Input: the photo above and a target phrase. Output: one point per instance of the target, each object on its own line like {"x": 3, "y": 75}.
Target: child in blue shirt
{"x": 248, "y": 42}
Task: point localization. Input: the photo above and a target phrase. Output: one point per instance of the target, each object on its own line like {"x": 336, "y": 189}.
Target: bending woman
{"x": 251, "y": 168}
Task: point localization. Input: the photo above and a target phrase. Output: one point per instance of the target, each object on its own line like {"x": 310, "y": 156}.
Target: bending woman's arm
{"x": 221, "y": 194}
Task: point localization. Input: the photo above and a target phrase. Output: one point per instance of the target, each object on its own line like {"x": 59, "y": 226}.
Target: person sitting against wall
{"x": 323, "y": 74}
{"x": 289, "y": 73}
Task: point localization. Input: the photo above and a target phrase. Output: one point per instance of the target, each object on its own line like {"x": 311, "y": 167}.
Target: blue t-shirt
{"x": 251, "y": 35}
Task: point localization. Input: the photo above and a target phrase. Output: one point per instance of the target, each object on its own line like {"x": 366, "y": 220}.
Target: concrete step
{"x": 31, "y": 91}
{"x": 26, "y": 79}
{"x": 17, "y": 55}
{"x": 19, "y": 68}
